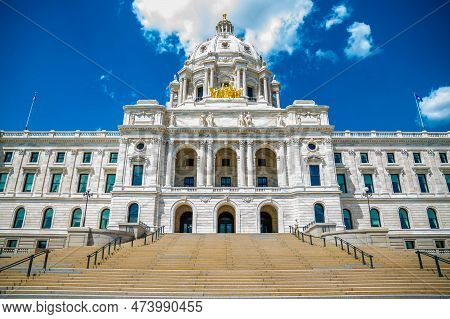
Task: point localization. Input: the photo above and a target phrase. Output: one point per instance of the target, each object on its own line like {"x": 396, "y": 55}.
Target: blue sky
{"x": 144, "y": 45}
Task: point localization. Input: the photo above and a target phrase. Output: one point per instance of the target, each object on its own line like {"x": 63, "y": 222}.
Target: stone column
{"x": 209, "y": 164}
{"x": 169, "y": 164}
{"x": 155, "y": 148}
{"x": 184, "y": 89}
{"x": 171, "y": 99}
{"x": 244, "y": 82}
{"x": 278, "y": 99}
{"x": 180, "y": 92}
{"x": 205, "y": 86}
{"x": 241, "y": 169}
{"x": 281, "y": 162}
{"x": 297, "y": 162}
{"x": 266, "y": 95}
{"x": 238, "y": 78}
{"x": 201, "y": 165}
{"x": 250, "y": 165}
{"x": 211, "y": 80}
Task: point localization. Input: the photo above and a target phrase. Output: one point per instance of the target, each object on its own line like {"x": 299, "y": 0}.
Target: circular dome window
{"x": 140, "y": 146}
{"x": 225, "y": 45}
{"x": 312, "y": 146}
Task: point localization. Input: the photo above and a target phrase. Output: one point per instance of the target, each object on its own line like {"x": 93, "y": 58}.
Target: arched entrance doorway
{"x": 266, "y": 223}
{"x": 186, "y": 222}
{"x": 225, "y": 223}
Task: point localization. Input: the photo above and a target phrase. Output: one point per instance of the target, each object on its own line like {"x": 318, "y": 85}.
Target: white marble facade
{"x": 246, "y": 157}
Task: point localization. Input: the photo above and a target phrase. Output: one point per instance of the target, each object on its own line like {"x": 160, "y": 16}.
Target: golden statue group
{"x": 226, "y": 92}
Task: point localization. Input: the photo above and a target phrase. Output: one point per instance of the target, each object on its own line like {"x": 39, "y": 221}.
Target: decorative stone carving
{"x": 172, "y": 120}
{"x": 352, "y": 152}
{"x": 247, "y": 199}
{"x": 48, "y": 152}
{"x": 142, "y": 118}
{"x": 21, "y": 152}
{"x": 100, "y": 152}
{"x": 298, "y": 119}
{"x": 137, "y": 158}
{"x": 378, "y": 153}
{"x": 280, "y": 120}
{"x": 430, "y": 152}
{"x": 205, "y": 199}
{"x": 404, "y": 152}
{"x": 245, "y": 119}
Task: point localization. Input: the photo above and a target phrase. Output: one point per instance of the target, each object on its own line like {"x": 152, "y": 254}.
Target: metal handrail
{"x": 355, "y": 249}
{"x": 30, "y": 264}
{"x": 307, "y": 226}
{"x": 436, "y": 258}
{"x": 156, "y": 235}
{"x": 102, "y": 249}
{"x": 297, "y": 233}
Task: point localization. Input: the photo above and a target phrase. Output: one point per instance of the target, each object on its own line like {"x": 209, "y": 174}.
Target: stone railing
{"x": 396, "y": 134}
{"x": 225, "y": 189}
{"x": 60, "y": 134}
{"x": 7, "y": 251}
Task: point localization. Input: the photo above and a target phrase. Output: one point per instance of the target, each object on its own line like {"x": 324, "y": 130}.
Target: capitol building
{"x": 224, "y": 156}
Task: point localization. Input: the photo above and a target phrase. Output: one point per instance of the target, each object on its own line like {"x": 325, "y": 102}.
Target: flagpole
{"x": 31, "y": 109}
{"x": 420, "y": 113}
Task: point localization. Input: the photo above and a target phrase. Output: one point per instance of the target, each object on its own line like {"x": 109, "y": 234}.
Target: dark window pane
{"x": 390, "y": 158}
{"x": 189, "y": 181}
{"x": 396, "y": 186}
{"x": 319, "y": 213}
{"x": 364, "y": 158}
{"x": 104, "y": 219}
{"x": 28, "y": 185}
{"x": 12, "y": 243}
{"x": 447, "y": 180}
{"x": 375, "y": 218}
{"x": 83, "y": 182}
{"x": 261, "y": 162}
{"x": 8, "y": 157}
{"x": 225, "y": 181}
{"x": 404, "y": 220}
{"x": 189, "y": 162}
{"x": 48, "y": 218}
{"x": 226, "y": 162}
{"x": 262, "y": 182}
{"x": 87, "y": 156}
{"x": 113, "y": 157}
{"x": 443, "y": 157}
{"x": 137, "y": 175}
{"x": 41, "y": 244}
{"x": 423, "y": 183}
{"x": 3, "y": 177}
{"x": 34, "y": 157}
{"x": 110, "y": 181}
{"x": 342, "y": 182}
{"x": 439, "y": 244}
{"x": 368, "y": 182}
{"x": 347, "y": 219}
{"x": 432, "y": 218}
{"x": 410, "y": 244}
{"x": 56, "y": 181}
{"x": 417, "y": 158}
{"x": 19, "y": 218}
{"x": 60, "y": 157}
{"x": 76, "y": 218}
{"x": 338, "y": 158}
{"x": 133, "y": 213}
{"x": 314, "y": 173}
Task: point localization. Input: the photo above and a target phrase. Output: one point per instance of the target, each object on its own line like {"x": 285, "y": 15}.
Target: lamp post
{"x": 367, "y": 194}
{"x": 86, "y": 195}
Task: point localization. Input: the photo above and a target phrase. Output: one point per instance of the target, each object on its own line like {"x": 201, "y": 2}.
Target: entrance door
{"x": 186, "y": 222}
{"x": 265, "y": 223}
{"x": 226, "y": 223}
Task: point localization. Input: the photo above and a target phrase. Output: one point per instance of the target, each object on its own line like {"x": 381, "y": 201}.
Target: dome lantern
{"x": 224, "y": 26}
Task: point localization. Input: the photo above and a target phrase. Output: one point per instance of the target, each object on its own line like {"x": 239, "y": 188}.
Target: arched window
{"x": 404, "y": 220}
{"x": 133, "y": 213}
{"x": 347, "y": 216}
{"x": 432, "y": 218}
{"x": 19, "y": 218}
{"x": 76, "y": 218}
{"x": 319, "y": 213}
{"x": 104, "y": 218}
{"x": 47, "y": 220}
{"x": 375, "y": 220}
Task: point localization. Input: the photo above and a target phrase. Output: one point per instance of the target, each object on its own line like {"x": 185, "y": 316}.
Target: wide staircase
{"x": 232, "y": 265}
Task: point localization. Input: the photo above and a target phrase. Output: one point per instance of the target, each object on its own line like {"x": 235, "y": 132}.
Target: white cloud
{"x": 360, "y": 42}
{"x": 327, "y": 55}
{"x": 269, "y": 25}
{"x": 338, "y": 15}
{"x": 435, "y": 108}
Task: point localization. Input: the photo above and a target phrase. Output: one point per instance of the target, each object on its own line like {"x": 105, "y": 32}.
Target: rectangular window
{"x": 113, "y": 157}
{"x": 60, "y": 156}
{"x": 34, "y": 157}
{"x": 396, "y": 186}
{"x": 342, "y": 182}
{"x": 3, "y": 177}
{"x": 226, "y": 162}
{"x": 56, "y": 181}
{"x": 189, "y": 181}
{"x": 225, "y": 181}
{"x": 87, "y": 157}
{"x": 28, "y": 184}
{"x": 41, "y": 244}
{"x": 410, "y": 244}
{"x": 423, "y": 183}
{"x": 249, "y": 91}
{"x": 368, "y": 182}
{"x": 443, "y": 158}
{"x": 110, "y": 181}
{"x": 190, "y": 162}
{"x": 8, "y": 157}
{"x": 364, "y": 158}
{"x": 262, "y": 181}
{"x": 261, "y": 162}
{"x": 417, "y": 158}
{"x": 83, "y": 183}
{"x": 391, "y": 158}
{"x": 338, "y": 158}
{"x": 12, "y": 243}
{"x": 314, "y": 174}
{"x": 439, "y": 244}
{"x": 138, "y": 171}
{"x": 447, "y": 180}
